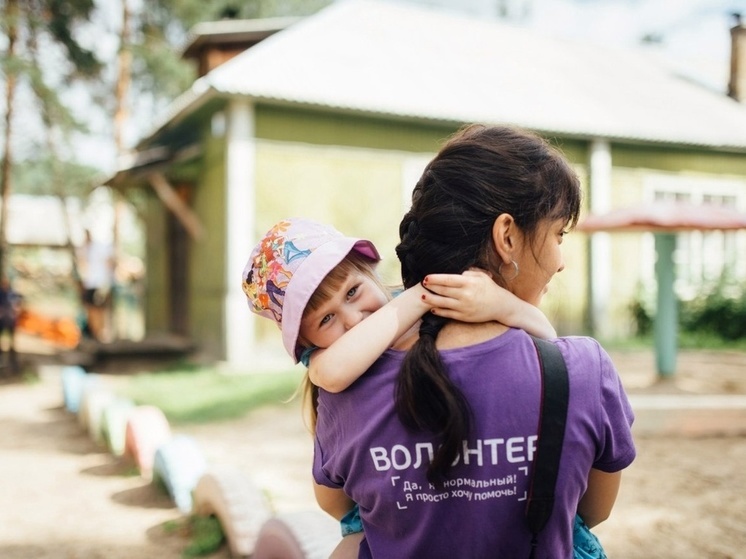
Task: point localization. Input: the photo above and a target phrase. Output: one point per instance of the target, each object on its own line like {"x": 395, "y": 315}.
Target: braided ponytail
{"x": 426, "y": 398}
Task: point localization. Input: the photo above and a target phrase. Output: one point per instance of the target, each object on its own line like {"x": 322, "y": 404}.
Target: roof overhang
{"x": 232, "y": 32}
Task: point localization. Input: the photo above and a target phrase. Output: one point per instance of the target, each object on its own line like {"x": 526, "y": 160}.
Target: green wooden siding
{"x": 207, "y": 259}
{"x": 157, "y": 311}
{"x": 675, "y": 159}
{"x": 327, "y": 128}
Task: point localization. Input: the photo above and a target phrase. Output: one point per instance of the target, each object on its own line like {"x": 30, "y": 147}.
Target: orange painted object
{"x": 60, "y": 331}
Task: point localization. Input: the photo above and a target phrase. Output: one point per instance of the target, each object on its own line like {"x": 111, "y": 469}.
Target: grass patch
{"x": 204, "y": 534}
{"x": 204, "y": 395}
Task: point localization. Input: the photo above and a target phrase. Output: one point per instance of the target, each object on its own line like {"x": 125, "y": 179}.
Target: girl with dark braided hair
{"x": 435, "y": 441}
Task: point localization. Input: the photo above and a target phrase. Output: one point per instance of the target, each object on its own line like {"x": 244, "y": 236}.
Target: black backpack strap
{"x": 555, "y": 393}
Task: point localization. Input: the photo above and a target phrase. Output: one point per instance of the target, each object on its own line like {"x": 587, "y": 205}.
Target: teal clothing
{"x": 305, "y": 356}
{"x": 351, "y": 523}
{"x": 585, "y": 544}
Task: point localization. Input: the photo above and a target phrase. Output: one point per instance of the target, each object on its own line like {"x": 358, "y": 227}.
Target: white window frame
{"x": 701, "y": 256}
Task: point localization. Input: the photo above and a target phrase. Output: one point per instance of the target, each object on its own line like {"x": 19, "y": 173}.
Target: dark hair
{"x": 479, "y": 174}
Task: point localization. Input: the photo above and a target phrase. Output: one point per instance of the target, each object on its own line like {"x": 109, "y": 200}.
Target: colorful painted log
{"x": 179, "y": 464}
{"x": 237, "y": 503}
{"x": 114, "y": 428}
{"x": 298, "y": 535}
{"x": 74, "y": 379}
{"x": 147, "y": 429}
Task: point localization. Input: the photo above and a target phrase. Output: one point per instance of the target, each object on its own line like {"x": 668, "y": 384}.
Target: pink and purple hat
{"x": 289, "y": 264}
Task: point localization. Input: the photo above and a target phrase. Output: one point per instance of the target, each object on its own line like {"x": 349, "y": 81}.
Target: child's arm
{"x": 599, "y": 498}
{"x": 332, "y": 501}
{"x": 470, "y": 297}
{"x": 348, "y": 547}
{"x": 338, "y": 366}
{"x": 474, "y": 297}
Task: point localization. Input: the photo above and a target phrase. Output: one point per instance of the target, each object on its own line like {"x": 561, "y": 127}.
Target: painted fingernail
{"x": 423, "y": 297}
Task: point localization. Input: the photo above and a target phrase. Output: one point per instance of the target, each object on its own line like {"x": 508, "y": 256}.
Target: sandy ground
{"x": 64, "y": 497}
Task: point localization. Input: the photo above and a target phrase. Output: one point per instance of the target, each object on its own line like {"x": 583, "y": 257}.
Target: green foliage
{"x": 55, "y": 22}
{"x": 717, "y": 312}
{"x": 714, "y": 317}
{"x": 45, "y": 30}
{"x": 707, "y": 340}
{"x": 162, "y": 30}
{"x": 206, "y": 536}
{"x": 203, "y": 395}
{"x": 61, "y": 18}
{"x": 642, "y": 319}
{"x": 37, "y": 176}
{"x": 158, "y": 68}
{"x": 159, "y": 483}
{"x": 191, "y": 12}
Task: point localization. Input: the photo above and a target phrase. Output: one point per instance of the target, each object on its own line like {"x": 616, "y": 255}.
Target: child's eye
{"x": 351, "y": 292}
{"x": 326, "y": 319}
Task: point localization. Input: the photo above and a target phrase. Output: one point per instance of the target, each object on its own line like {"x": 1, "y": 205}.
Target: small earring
{"x": 515, "y": 270}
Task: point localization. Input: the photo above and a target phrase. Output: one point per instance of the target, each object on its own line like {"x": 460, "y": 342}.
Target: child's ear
{"x": 505, "y": 237}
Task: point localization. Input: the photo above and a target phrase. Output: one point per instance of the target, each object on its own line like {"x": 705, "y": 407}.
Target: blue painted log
{"x": 179, "y": 464}
{"x": 74, "y": 379}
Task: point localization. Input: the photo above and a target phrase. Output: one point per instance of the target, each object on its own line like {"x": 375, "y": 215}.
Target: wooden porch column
{"x": 240, "y": 176}
{"x": 599, "y": 166}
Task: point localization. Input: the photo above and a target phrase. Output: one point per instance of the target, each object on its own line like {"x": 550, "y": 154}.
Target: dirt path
{"x": 63, "y": 497}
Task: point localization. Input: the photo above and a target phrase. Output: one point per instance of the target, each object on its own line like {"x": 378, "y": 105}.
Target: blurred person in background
{"x": 10, "y": 306}
{"x": 97, "y": 277}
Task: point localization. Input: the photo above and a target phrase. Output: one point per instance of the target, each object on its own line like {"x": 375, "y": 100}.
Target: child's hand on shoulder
{"x": 469, "y": 297}
{"x": 475, "y": 297}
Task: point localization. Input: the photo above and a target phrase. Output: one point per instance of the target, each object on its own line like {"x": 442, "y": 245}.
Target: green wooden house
{"x": 334, "y": 116}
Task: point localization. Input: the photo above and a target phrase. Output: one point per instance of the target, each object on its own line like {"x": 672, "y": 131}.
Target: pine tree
{"x": 34, "y": 26}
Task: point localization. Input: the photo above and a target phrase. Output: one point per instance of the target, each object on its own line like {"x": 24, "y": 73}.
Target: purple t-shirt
{"x": 362, "y": 447}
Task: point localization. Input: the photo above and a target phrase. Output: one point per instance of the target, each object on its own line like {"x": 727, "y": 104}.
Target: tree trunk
{"x": 121, "y": 116}
{"x": 10, "y": 15}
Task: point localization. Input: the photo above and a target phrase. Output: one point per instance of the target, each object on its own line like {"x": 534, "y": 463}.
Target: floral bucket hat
{"x": 288, "y": 265}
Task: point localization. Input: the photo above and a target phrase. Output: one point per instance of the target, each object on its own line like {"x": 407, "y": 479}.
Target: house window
{"x": 702, "y": 258}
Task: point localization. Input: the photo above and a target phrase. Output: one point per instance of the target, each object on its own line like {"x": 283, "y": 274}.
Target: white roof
{"x": 411, "y": 62}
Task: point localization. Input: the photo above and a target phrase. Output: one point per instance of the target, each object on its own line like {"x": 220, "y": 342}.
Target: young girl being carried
{"x": 322, "y": 290}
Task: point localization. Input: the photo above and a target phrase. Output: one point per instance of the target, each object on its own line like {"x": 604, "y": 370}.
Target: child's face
{"x": 357, "y": 298}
